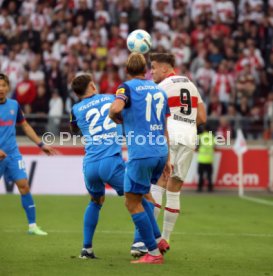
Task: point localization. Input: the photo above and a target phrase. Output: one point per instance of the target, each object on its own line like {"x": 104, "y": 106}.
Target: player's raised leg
{"x": 29, "y": 207}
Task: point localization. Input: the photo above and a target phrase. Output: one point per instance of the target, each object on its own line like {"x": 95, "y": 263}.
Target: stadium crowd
{"x": 224, "y": 46}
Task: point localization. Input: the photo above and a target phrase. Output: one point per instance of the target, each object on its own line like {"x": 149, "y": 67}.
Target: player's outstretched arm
{"x": 3, "y": 155}
{"x": 115, "y": 110}
{"x": 31, "y": 134}
{"x": 201, "y": 114}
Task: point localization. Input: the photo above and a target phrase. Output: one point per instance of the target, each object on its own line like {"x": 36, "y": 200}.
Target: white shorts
{"x": 181, "y": 157}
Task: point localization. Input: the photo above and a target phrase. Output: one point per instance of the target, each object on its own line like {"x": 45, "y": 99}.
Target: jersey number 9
{"x": 185, "y": 99}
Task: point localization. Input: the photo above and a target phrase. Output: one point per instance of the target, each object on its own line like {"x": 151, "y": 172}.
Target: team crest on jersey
{"x": 121, "y": 91}
{"x": 12, "y": 112}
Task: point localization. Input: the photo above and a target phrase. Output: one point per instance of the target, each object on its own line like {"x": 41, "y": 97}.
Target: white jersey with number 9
{"x": 183, "y": 99}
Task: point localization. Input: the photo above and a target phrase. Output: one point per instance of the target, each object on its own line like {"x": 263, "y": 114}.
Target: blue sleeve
{"x": 123, "y": 93}
{"x": 20, "y": 116}
{"x": 73, "y": 120}
{"x": 167, "y": 110}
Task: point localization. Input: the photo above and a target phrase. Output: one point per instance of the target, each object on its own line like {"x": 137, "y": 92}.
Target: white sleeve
{"x": 194, "y": 92}
{"x": 198, "y": 96}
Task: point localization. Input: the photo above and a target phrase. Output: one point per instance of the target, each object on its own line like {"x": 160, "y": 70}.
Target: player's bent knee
{"x": 149, "y": 198}
{"x": 98, "y": 200}
{"x": 133, "y": 203}
{"x": 133, "y": 207}
{"x": 175, "y": 184}
{"x": 23, "y": 186}
{"x": 162, "y": 181}
{"x": 129, "y": 205}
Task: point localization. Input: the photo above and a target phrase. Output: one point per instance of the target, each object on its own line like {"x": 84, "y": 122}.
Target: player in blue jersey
{"x": 142, "y": 108}
{"x": 103, "y": 162}
{"x": 11, "y": 163}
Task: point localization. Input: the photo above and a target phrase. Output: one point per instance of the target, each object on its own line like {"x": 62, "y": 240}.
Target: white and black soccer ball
{"x": 139, "y": 41}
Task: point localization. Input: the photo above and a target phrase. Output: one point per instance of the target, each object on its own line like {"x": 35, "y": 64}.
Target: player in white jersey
{"x": 187, "y": 112}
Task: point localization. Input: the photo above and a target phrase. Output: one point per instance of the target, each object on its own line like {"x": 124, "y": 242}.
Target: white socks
{"x": 89, "y": 250}
{"x": 155, "y": 252}
{"x": 157, "y": 193}
{"x": 171, "y": 213}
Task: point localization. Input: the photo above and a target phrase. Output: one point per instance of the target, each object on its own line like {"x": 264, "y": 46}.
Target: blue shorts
{"x": 108, "y": 170}
{"x": 13, "y": 168}
{"x": 140, "y": 173}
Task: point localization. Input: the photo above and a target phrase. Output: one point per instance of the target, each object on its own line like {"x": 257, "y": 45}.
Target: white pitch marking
{"x": 257, "y": 200}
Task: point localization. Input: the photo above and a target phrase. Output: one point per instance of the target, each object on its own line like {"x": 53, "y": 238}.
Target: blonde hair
{"x": 136, "y": 64}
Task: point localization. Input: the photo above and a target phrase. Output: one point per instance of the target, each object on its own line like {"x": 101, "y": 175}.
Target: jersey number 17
{"x": 159, "y": 106}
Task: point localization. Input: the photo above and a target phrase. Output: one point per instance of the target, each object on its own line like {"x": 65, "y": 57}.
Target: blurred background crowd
{"x": 224, "y": 46}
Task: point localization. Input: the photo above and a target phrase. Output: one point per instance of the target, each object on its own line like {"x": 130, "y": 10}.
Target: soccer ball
{"x": 139, "y": 41}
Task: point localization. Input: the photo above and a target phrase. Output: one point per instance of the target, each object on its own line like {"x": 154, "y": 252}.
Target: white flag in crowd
{"x": 240, "y": 146}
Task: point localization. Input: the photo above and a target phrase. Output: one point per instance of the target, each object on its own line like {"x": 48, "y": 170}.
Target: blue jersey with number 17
{"x": 100, "y": 133}
{"x": 144, "y": 116}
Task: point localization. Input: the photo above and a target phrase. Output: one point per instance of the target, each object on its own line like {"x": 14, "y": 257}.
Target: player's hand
{"x": 118, "y": 119}
{"x": 48, "y": 150}
{"x": 3, "y": 155}
{"x": 167, "y": 170}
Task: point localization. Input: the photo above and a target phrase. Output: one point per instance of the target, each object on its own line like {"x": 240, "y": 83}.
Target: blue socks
{"x": 29, "y": 206}
{"x": 143, "y": 224}
{"x": 137, "y": 237}
{"x": 149, "y": 209}
{"x": 91, "y": 218}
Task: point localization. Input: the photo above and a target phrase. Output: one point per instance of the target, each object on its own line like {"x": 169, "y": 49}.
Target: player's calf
{"x": 91, "y": 218}
{"x": 29, "y": 207}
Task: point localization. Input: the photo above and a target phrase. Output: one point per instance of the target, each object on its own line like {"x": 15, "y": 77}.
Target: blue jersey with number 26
{"x": 144, "y": 116}
{"x": 91, "y": 116}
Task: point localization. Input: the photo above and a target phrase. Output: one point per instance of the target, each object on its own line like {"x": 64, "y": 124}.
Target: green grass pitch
{"x": 215, "y": 235}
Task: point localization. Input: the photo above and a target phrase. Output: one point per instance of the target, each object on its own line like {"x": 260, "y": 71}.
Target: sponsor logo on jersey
{"x": 182, "y": 119}
{"x": 156, "y": 127}
{"x": 6, "y": 123}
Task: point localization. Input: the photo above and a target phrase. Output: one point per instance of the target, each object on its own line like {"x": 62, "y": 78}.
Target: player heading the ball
{"x": 140, "y": 104}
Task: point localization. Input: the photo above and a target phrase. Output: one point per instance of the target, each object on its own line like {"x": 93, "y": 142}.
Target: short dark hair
{"x": 163, "y": 58}
{"x": 80, "y": 83}
{"x": 136, "y": 64}
{"x": 4, "y": 78}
